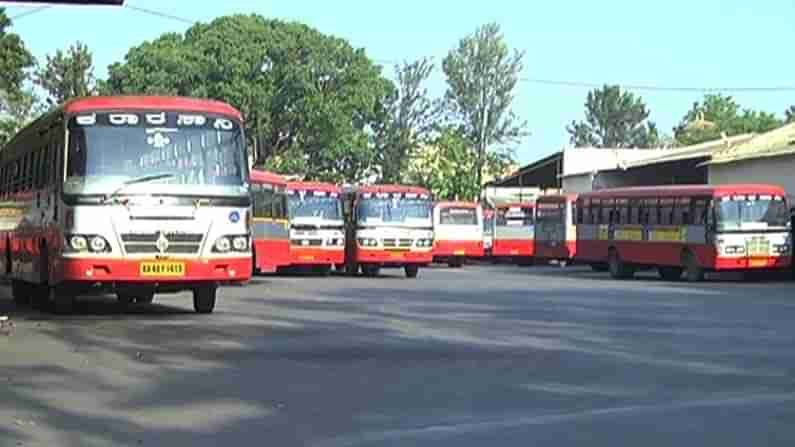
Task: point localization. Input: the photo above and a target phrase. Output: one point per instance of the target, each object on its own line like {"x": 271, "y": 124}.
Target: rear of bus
{"x": 271, "y": 226}
{"x": 514, "y": 233}
{"x": 458, "y": 232}
{"x": 389, "y": 226}
{"x": 317, "y": 238}
{"x": 556, "y": 234}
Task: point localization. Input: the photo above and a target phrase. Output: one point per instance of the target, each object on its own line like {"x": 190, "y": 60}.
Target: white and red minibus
{"x": 135, "y": 195}
{"x": 556, "y": 233}
{"x": 458, "y": 232}
{"x": 514, "y": 232}
{"x": 388, "y": 226}
{"x": 317, "y": 232}
{"x": 271, "y": 228}
{"x": 690, "y": 229}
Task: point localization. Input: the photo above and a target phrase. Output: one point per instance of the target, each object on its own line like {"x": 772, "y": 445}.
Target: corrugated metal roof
{"x": 770, "y": 144}
{"x": 710, "y": 148}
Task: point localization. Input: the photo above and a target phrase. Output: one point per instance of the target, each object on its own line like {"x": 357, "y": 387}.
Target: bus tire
{"x": 62, "y": 300}
{"x": 693, "y": 271}
{"x": 18, "y": 292}
{"x": 204, "y": 299}
{"x": 456, "y": 263}
{"x": 670, "y": 273}
{"x": 412, "y": 270}
{"x": 370, "y": 271}
{"x": 323, "y": 270}
{"x": 41, "y": 291}
{"x": 618, "y": 269}
{"x": 352, "y": 269}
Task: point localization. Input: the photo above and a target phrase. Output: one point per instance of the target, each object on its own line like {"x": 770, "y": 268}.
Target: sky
{"x": 672, "y": 43}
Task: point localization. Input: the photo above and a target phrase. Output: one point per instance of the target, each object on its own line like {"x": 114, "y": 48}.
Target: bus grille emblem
{"x": 162, "y": 243}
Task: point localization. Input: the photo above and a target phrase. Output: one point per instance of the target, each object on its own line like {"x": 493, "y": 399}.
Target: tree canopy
{"x": 67, "y": 75}
{"x": 716, "y": 115}
{"x": 15, "y": 100}
{"x": 613, "y": 118}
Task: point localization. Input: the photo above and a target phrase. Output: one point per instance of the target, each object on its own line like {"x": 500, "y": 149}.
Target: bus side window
{"x": 682, "y": 211}
{"x": 623, "y": 211}
{"x": 700, "y": 209}
{"x": 606, "y": 215}
{"x": 666, "y": 211}
{"x": 634, "y": 212}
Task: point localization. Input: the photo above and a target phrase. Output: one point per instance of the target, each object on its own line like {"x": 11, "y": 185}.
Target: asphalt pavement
{"x": 479, "y": 356}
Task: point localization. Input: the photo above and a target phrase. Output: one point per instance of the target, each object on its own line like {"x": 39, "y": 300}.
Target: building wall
{"x": 773, "y": 170}
{"x": 578, "y": 183}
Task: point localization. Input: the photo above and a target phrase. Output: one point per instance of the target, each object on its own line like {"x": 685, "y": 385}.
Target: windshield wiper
{"x": 135, "y": 181}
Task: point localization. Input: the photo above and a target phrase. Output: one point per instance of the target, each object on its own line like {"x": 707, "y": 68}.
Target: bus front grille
{"x": 146, "y": 243}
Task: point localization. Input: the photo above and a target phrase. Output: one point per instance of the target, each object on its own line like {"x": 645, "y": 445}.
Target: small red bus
{"x": 271, "y": 238}
{"x": 690, "y": 229}
{"x": 317, "y": 232}
{"x": 458, "y": 232}
{"x": 514, "y": 232}
{"x": 556, "y": 233}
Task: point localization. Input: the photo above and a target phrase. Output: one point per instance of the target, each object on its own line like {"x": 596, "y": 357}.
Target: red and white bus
{"x": 135, "y": 195}
{"x": 514, "y": 232}
{"x": 271, "y": 227}
{"x": 458, "y": 232}
{"x": 690, "y": 229}
{"x": 317, "y": 231}
{"x": 388, "y": 226}
{"x": 556, "y": 232}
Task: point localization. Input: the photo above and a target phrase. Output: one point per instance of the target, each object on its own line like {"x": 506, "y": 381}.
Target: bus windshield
{"x": 395, "y": 211}
{"x": 458, "y": 216}
{"x": 514, "y": 216}
{"x": 321, "y": 207}
{"x": 735, "y": 214}
{"x": 182, "y": 153}
{"x": 550, "y": 212}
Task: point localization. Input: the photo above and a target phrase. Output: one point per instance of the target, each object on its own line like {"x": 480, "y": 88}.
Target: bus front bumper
{"x": 746, "y": 263}
{"x": 316, "y": 256}
{"x": 447, "y": 248}
{"x": 218, "y": 270}
{"x": 384, "y": 257}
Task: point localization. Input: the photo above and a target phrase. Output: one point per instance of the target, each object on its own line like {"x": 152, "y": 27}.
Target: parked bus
{"x": 690, "y": 229}
{"x": 388, "y": 226}
{"x": 271, "y": 227}
{"x": 488, "y": 232}
{"x": 317, "y": 232}
{"x": 514, "y": 232}
{"x": 133, "y": 195}
{"x": 458, "y": 232}
{"x": 556, "y": 233}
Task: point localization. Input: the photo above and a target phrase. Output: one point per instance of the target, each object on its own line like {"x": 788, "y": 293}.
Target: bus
{"x": 388, "y": 226}
{"x": 556, "y": 233}
{"x": 132, "y": 195}
{"x": 270, "y": 228}
{"x": 317, "y": 231}
{"x": 458, "y": 232}
{"x": 514, "y": 232}
{"x": 685, "y": 229}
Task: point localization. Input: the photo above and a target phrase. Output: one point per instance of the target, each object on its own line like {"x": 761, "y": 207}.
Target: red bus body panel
{"x": 458, "y": 248}
{"x": 271, "y": 254}
{"x": 316, "y": 256}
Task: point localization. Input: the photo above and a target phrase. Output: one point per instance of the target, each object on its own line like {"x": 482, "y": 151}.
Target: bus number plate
{"x": 162, "y": 269}
{"x": 758, "y": 262}
{"x": 459, "y": 252}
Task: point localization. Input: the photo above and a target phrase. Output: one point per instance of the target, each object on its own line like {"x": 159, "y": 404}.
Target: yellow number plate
{"x": 307, "y": 258}
{"x": 396, "y": 255}
{"x": 459, "y": 252}
{"x": 162, "y": 269}
{"x": 758, "y": 262}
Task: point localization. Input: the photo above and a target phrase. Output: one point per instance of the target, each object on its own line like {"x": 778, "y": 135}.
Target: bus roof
{"x": 174, "y": 103}
{"x": 313, "y": 186}
{"x": 690, "y": 190}
{"x": 260, "y": 176}
{"x": 517, "y": 205}
{"x": 457, "y": 204}
{"x": 376, "y": 189}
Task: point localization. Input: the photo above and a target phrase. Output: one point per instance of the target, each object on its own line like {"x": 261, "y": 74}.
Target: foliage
{"x": 789, "y": 115}
{"x": 21, "y": 108}
{"x": 614, "y": 118}
{"x": 16, "y": 103}
{"x": 482, "y": 75}
{"x": 410, "y": 113}
{"x": 446, "y": 166}
{"x": 310, "y": 100}
{"x": 67, "y": 75}
{"x": 718, "y": 115}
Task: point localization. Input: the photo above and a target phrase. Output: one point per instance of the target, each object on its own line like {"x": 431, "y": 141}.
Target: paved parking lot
{"x": 485, "y": 355}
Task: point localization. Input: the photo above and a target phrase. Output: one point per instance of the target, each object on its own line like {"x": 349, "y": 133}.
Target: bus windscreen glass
{"x": 458, "y": 216}
{"x": 767, "y": 212}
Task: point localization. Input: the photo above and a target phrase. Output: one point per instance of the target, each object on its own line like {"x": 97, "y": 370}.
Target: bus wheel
{"x": 412, "y": 271}
{"x": 371, "y": 271}
{"x": 323, "y": 270}
{"x": 63, "y": 301}
{"x": 18, "y": 292}
{"x": 145, "y": 298}
{"x": 618, "y": 269}
{"x": 693, "y": 271}
{"x": 669, "y": 273}
{"x": 456, "y": 263}
{"x": 204, "y": 299}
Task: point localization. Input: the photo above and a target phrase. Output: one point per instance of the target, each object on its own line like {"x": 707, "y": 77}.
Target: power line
{"x": 162, "y": 15}
{"x": 30, "y": 12}
{"x": 784, "y": 88}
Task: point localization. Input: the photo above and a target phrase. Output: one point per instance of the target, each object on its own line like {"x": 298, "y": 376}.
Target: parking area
{"x": 483, "y": 355}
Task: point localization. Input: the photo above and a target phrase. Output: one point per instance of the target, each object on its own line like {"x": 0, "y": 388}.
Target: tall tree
{"x": 409, "y": 116}
{"x": 789, "y": 114}
{"x": 717, "y": 115}
{"x": 68, "y": 74}
{"x": 15, "y": 102}
{"x": 310, "y": 100}
{"x": 482, "y": 74}
{"x": 613, "y": 118}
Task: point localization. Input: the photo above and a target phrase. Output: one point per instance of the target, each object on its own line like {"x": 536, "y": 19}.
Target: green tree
{"x": 718, "y": 115}
{"x": 442, "y": 165}
{"x": 67, "y": 75}
{"x": 410, "y": 113}
{"x": 310, "y": 100}
{"x": 20, "y": 108}
{"x": 613, "y": 118}
{"x": 16, "y": 103}
{"x": 482, "y": 74}
{"x": 789, "y": 114}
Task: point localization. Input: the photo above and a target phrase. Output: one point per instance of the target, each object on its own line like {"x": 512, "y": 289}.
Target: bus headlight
{"x": 98, "y": 244}
{"x": 368, "y": 242}
{"x": 424, "y": 243}
{"x": 87, "y": 242}
{"x": 240, "y": 243}
{"x": 222, "y": 244}
{"x": 78, "y": 243}
{"x": 781, "y": 249}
